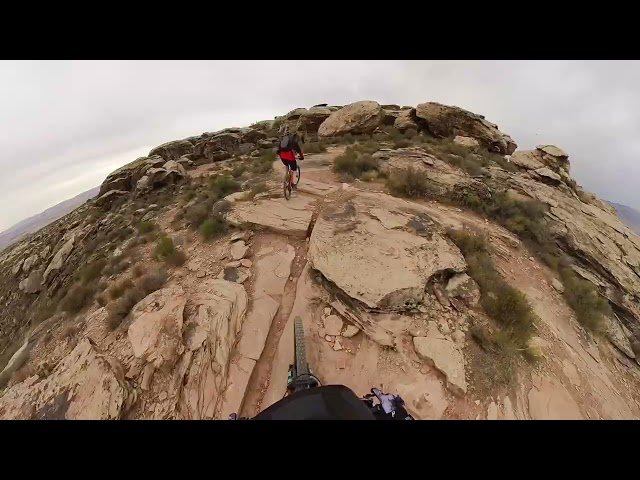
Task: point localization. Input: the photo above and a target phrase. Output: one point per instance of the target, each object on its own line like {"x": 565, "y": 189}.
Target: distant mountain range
{"x": 35, "y": 223}
{"x": 629, "y": 215}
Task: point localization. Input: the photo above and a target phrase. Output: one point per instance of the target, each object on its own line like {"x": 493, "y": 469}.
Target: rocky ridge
{"x": 382, "y": 289}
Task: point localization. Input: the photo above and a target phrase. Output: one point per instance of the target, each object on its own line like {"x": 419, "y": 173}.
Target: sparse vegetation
{"x": 152, "y": 281}
{"x": 211, "y": 228}
{"x": 401, "y": 143}
{"x": 92, "y": 271}
{"x": 77, "y": 298}
{"x": 117, "y": 290}
{"x": 581, "y": 295}
{"x": 354, "y": 163}
{"x": 146, "y": 227}
{"x": 314, "y": 147}
{"x": 138, "y": 271}
{"x": 255, "y": 190}
{"x": 264, "y": 163}
{"x": 505, "y": 304}
{"x": 222, "y": 185}
{"x": 238, "y": 170}
{"x": 69, "y": 331}
{"x": 409, "y": 183}
{"x": 166, "y": 251}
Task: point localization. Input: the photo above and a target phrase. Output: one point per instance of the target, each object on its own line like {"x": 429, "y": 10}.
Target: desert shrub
{"x": 410, "y": 133}
{"x": 151, "y": 282}
{"x": 146, "y": 227}
{"x": 222, "y": 185}
{"x": 524, "y": 218}
{"x": 120, "y": 308}
{"x": 369, "y": 146}
{"x": 314, "y": 147}
{"x": 238, "y": 170}
{"x": 353, "y": 163}
{"x": 393, "y": 132}
{"x": 401, "y": 143}
{"x": 76, "y": 298}
{"x": 255, "y": 190}
{"x": 583, "y": 298}
{"x": 499, "y": 159}
{"x": 138, "y": 270}
{"x": 166, "y": 251}
{"x": 117, "y": 290}
{"x": 370, "y": 175}
{"x": 92, "y": 271}
{"x": 102, "y": 301}
{"x": 69, "y": 331}
{"x": 189, "y": 195}
{"x": 506, "y": 305}
{"x": 348, "y": 139}
{"x": 409, "y": 183}
{"x": 264, "y": 163}
{"x": 196, "y": 214}
{"x": 212, "y": 227}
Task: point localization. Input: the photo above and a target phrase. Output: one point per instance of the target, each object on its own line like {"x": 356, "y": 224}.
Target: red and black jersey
{"x": 293, "y": 147}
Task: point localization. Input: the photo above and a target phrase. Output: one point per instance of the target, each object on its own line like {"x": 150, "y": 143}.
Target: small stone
{"x": 415, "y": 332}
{"x": 246, "y": 263}
{"x": 201, "y": 274}
{"x": 350, "y": 331}
{"x": 444, "y": 328}
{"x": 336, "y": 346}
{"x": 333, "y": 325}
{"x": 458, "y": 337}
{"x": 162, "y": 396}
{"x": 238, "y": 250}
{"x": 328, "y": 338}
{"x": 322, "y": 333}
{"x": 235, "y": 264}
{"x": 557, "y": 284}
{"x": 492, "y": 412}
{"x": 327, "y": 311}
{"x": 477, "y": 402}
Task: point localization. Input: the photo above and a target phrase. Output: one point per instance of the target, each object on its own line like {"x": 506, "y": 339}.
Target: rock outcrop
{"x": 173, "y": 150}
{"x": 84, "y": 386}
{"x": 309, "y": 122}
{"x": 380, "y": 250}
{"x": 356, "y": 118}
{"x": 443, "y": 121}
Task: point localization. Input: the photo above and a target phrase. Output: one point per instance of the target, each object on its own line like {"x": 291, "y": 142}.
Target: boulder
{"x": 464, "y": 287}
{"x": 470, "y": 143}
{"x": 548, "y": 175}
{"x": 33, "y": 283}
{"x": 170, "y": 173}
{"x": 356, "y": 118}
{"x": 289, "y": 217}
{"x": 406, "y": 120}
{"x": 29, "y": 262}
{"x": 557, "y": 284}
{"x": 125, "y": 178}
{"x": 446, "y": 357}
{"x": 310, "y": 121}
{"x": 106, "y": 201}
{"x": 118, "y": 183}
{"x": 173, "y": 150}
{"x": 553, "y": 157}
{"x": 380, "y": 250}
{"x": 58, "y": 259}
{"x": 86, "y": 385}
{"x": 333, "y": 325}
{"x": 527, "y": 159}
{"x": 217, "y": 147}
{"x": 238, "y": 250}
{"x": 290, "y": 120}
{"x": 443, "y": 121}
{"x": 17, "y": 267}
{"x": 389, "y": 117}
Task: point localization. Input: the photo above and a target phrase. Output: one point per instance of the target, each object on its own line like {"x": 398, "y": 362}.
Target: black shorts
{"x": 292, "y": 164}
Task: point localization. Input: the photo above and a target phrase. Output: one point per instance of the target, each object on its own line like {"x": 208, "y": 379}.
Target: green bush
{"x": 222, "y": 185}
{"x": 138, "y": 271}
{"x": 196, "y": 214}
{"x": 401, "y": 143}
{"x": 314, "y": 147}
{"x": 581, "y": 295}
{"x": 354, "y": 163}
{"x": 120, "y": 308}
{"x": 77, "y": 298}
{"x": 393, "y": 132}
{"x": 409, "y": 183}
{"x": 151, "y": 282}
{"x": 348, "y": 138}
{"x": 370, "y": 176}
{"x": 117, "y": 290}
{"x": 212, "y": 227}
{"x": 166, "y": 251}
{"x": 255, "y": 190}
{"x": 505, "y": 304}
{"x": 92, "y": 271}
{"x": 237, "y": 171}
{"x": 146, "y": 227}
{"x": 264, "y": 163}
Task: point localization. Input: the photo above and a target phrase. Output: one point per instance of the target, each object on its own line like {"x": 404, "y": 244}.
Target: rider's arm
{"x": 298, "y": 150}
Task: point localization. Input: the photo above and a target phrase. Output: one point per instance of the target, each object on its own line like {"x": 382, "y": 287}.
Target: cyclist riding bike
{"x": 287, "y": 149}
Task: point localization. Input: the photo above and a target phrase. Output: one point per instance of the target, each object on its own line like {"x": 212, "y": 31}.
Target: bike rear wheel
{"x": 287, "y": 185}
{"x": 302, "y": 367}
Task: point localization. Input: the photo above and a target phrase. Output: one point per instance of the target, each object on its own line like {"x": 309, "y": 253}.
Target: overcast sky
{"x": 64, "y": 125}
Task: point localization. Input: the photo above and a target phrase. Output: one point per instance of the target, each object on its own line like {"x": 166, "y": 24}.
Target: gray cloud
{"x": 66, "y": 124}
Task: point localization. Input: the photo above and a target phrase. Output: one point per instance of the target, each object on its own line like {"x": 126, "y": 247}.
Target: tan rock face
{"x": 446, "y": 356}
{"x": 289, "y": 217}
{"x": 356, "y": 118}
{"x": 372, "y": 263}
{"x": 84, "y": 386}
{"x": 551, "y": 401}
{"x": 468, "y": 142}
{"x": 59, "y": 259}
{"x": 444, "y": 120}
{"x": 406, "y": 120}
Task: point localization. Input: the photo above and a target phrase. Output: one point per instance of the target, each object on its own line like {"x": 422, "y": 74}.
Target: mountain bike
{"x": 306, "y": 399}
{"x": 291, "y": 179}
